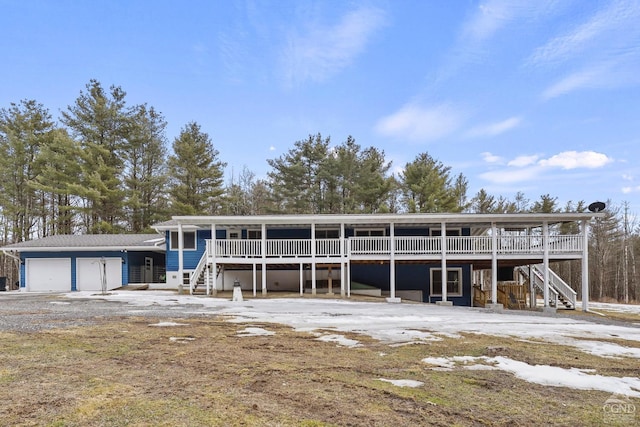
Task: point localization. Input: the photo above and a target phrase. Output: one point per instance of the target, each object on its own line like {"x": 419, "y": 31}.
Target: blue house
{"x": 82, "y": 262}
{"x": 392, "y": 255}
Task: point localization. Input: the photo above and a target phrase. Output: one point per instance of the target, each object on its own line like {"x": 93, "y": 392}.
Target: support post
{"x": 392, "y": 264}
{"x": 545, "y": 261}
{"x": 263, "y": 244}
{"x": 255, "y": 279}
{"x": 313, "y": 259}
{"x": 494, "y": 269}
{"x": 181, "y": 258}
{"x": 342, "y": 257}
{"x": 443, "y": 264}
{"x": 585, "y": 266}
{"x": 214, "y": 265}
{"x": 301, "y": 279}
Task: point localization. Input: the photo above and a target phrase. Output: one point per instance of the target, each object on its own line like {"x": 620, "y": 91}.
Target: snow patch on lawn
{"x": 340, "y": 340}
{"x": 403, "y": 383}
{"x": 255, "y": 332}
{"x": 167, "y": 324}
{"x": 182, "y": 340}
{"x": 554, "y": 376}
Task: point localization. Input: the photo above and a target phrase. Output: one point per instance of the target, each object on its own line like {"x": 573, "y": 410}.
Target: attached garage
{"x": 91, "y": 271}
{"x": 48, "y": 274}
{"x": 66, "y": 263}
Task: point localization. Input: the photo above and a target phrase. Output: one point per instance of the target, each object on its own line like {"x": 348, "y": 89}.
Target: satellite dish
{"x": 597, "y": 206}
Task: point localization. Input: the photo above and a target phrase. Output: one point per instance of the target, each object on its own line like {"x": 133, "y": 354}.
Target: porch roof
{"x": 450, "y": 219}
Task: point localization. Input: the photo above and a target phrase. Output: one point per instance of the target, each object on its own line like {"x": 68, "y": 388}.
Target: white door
{"x": 148, "y": 270}
{"x": 48, "y": 274}
{"x": 89, "y": 272}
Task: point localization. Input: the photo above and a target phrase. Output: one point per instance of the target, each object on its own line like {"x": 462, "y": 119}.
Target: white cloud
{"x": 319, "y": 52}
{"x": 417, "y": 123}
{"x": 491, "y": 158}
{"x": 577, "y": 159}
{"x": 628, "y": 190}
{"x": 588, "y": 78}
{"x": 272, "y": 148}
{"x": 493, "y": 15}
{"x": 627, "y": 177}
{"x": 616, "y": 24}
{"x": 522, "y": 161}
{"x": 494, "y": 129}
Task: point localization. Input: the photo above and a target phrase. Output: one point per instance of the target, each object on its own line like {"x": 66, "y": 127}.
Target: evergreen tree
{"x": 145, "y": 168}
{"x": 99, "y": 121}
{"x": 24, "y": 129}
{"x": 195, "y": 174}
{"x": 427, "y": 187}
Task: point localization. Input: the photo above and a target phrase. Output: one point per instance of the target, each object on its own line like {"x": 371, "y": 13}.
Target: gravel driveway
{"x": 28, "y": 312}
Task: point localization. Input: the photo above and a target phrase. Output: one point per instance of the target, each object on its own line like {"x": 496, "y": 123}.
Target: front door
{"x": 148, "y": 270}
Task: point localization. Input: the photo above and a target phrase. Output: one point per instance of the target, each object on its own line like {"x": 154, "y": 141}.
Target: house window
{"x": 454, "y": 281}
{"x": 254, "y": 234}
{"x": 233, "y": 233}
{"x": 188, "y": 240}
{"x": 373, "y": 232}
{"x": 450, "y": 232}
{"x": 328, "y": 234}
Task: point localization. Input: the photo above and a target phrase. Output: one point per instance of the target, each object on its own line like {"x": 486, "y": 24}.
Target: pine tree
{"x": 99, "y": 121}
{"x": 195, "y": 174}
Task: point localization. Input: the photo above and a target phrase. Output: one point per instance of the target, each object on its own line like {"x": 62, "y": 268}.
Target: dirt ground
{"x": 122, "y": 371}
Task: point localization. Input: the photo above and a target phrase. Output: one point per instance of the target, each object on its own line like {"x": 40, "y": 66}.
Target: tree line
{"x": 104, "y": 167}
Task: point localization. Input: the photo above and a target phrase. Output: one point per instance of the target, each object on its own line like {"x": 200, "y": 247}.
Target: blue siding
{"x": 190, "y": 257}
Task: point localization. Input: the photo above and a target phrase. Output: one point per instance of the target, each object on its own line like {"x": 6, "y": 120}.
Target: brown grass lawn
{"x": 127, "y": 373}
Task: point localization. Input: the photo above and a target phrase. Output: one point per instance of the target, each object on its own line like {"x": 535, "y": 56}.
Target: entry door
{"x": 148, "y": 270}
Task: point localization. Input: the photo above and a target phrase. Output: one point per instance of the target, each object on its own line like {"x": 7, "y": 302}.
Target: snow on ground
{"x": 553, "y": 376}
{"x": 617, "y": 308}
{"x": 167, "y": 324}
{"x": 397, "y": 323}
{"x": 403, "y": 383}
{"x": 340, "y": 340}
{"x": 255, "y": 332}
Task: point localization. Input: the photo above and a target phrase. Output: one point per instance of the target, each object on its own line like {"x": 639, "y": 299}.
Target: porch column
{"x": 214, "y": 265}
{"x": 494, "y": 263}
{"x": 181, "y": 258}
{"x": 255, "y": 279}
{"x": 342, "y": 264}
{"x": 263, "y": 244}
{"x": 301, "y": 279}
{"x": 313, "y": 259}
{"x": 392, "y": 262}
{"x": 533, "y": 302}
{"x": 585, "y": 265}
{"x": 545, "y": 261}
{"x": 443, "y": 261}
{"x": 348, "y": 278}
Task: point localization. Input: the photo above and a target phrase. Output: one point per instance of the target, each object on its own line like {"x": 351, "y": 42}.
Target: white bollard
{"x": 237, "y": 292}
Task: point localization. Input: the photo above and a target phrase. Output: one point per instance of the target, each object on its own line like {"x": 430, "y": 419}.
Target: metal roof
{"x": 87, "y": 242}
{"x": 450, "y": 219}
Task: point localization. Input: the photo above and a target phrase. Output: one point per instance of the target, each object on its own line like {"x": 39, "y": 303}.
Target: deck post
{"x": 181, "y": 258}
{"x": 263, "y": 244}
{"x": 342, "y": 263}
{"x": 392, "y": 262}
{"x": 494, "y": 263}
{"x": 585, "y": 266}
{"x": 214, "y": 265}
{"x": 255, "y": 279}
{"x": 545, "y": 261}
{"x": 532, "y": 288}
{"x": 443, "y": 261}
{"x": 313, "y": 258}
{"x": 301, "y": 279}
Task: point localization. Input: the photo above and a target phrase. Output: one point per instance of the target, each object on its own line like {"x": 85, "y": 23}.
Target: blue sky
{"x": 533, "y": 96}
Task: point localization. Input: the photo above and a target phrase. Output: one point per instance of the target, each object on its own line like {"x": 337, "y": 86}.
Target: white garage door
{"x": 48, "y": 274}
{"x": 89, "y": 273}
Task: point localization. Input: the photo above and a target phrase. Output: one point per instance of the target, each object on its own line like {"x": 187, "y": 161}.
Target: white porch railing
{"x": 404, "y": 245}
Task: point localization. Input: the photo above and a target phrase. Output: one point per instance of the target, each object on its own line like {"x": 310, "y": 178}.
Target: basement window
{"x": 454, "y": 282}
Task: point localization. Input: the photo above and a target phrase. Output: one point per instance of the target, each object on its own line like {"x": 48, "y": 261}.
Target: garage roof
{"x": 91, "y": 242}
